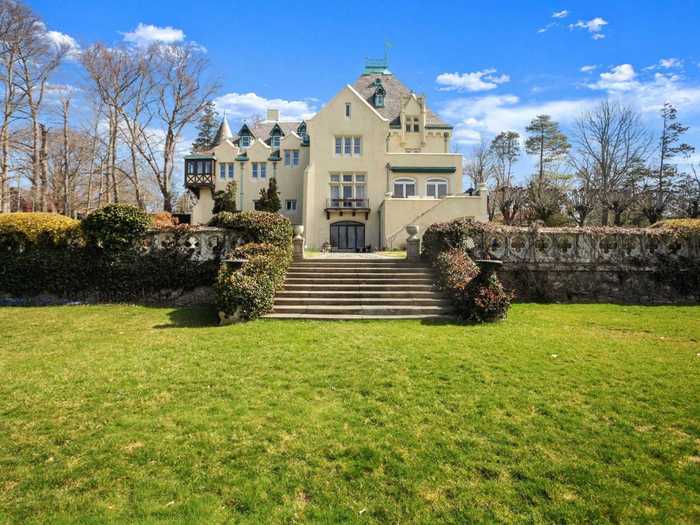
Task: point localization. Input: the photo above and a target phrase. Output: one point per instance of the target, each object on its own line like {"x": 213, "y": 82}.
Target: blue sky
{"x": 485, "y": 66}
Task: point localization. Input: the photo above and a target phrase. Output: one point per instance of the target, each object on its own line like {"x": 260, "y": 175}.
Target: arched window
{"x": 436, "y": 188}
{"x": 404, "y": 188}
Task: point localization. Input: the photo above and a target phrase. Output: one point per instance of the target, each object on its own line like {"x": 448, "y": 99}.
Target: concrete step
{"x": 358, "y": 261}
{"x": 380, "y": 309}
{"x": 360, "y": 270}
{"x": 374, "y": 287}
{"x": 357, "y": 317}
{"x": 359, "y": 294}
{"x": 357, "y": 281}
{"x": 359, "y": 275}
{"x": 360, "y": 301}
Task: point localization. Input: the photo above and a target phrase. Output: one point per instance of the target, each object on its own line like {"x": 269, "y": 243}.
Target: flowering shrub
{"x": 163, "y": 219}
{"x": 26, "y": 231}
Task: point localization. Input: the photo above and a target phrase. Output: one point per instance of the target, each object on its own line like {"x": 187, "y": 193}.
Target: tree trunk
{"x": 43, "y": 168}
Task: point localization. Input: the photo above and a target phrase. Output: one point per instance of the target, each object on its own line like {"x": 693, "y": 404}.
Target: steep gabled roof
{"x": 395, "y": 89}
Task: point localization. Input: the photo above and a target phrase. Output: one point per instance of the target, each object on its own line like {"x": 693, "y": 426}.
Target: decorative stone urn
{"x": 413, "y": 242}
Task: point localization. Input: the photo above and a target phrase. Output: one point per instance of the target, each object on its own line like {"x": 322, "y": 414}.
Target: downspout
{"x": 242, "y": 179}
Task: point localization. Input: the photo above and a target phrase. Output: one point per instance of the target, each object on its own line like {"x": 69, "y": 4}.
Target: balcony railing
{"x": 347, "y": 205}
{"x": 196, "y": 180}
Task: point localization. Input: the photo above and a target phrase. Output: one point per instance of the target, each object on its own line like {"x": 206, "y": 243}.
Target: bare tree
{"x": 17, "y": 24}
{"x": 180, "y": 93}
{"x": 479, "y": 164}
{"x": 611, "y": 146}
{"x": 113, "y": 72}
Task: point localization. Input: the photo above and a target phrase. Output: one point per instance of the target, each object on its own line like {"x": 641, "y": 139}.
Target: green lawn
{"x": 128, "y": 414}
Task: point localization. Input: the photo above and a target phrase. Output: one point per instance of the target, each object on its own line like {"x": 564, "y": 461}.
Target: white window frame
{"x": 404, "y": 182}
{"x": 437, "y": 182}
{"x": 379, "y": 100}
{"x": 290, "y": 204}
{"x": 259, "y": 170}
{"x": 275, "y": 141}
{"x": 245, "y": 141}
{"x": 295, "y": 157}
{"x": 348, "y": 146}
{"x": 340, "y": 181}
{"x": 222, "y": 170}
{"x": 287, "y": 157}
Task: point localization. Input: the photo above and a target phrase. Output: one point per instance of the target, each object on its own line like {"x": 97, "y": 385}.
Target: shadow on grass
{"x": 191, "y": 317}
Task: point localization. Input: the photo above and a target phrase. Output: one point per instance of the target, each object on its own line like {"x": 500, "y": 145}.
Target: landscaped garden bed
{"x": 566, "y": 414}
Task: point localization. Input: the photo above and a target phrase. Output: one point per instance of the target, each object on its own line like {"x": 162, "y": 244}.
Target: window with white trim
{"x": 291, "y": 204}
{"x": 404, "y": 188}
{"x": 436, "y": 188}
{"x": 291, "y": 157}
{"x": 222, "y": 170}
{"x": 348, "y": 146}
{"x": 245, "y": 141}
{"x": 230, "y": 170}
{"x": 259, "y": 170}
{"x": 348, "y": 190}
{"x": 275, "y": 141}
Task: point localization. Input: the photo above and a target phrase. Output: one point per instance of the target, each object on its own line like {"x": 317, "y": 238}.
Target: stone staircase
{"x": 359, "y": 289}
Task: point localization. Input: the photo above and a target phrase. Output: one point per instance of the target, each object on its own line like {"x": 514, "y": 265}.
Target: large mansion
{"x": 372, "y": 161}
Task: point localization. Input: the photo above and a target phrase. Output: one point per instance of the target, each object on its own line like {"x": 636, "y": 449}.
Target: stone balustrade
{"x": 600, "y": 246}
{"x": 201, "y": 243}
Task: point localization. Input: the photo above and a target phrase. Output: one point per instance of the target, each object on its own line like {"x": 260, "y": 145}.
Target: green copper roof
{"x": 423, "y": 169}
{"x": 376, "y": 66}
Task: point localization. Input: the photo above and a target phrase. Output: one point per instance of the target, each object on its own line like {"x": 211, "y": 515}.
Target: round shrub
{"x": 475, "y": 295}
{"x": 256, "y": 226}
{"x": 25, "y": 231}
{"x": 116, "y": 227}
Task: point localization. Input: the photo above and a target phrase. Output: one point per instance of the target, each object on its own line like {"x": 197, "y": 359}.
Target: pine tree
{"x": 269, "y": 198}
{"x": 206, "y": 128}
{"x": 659, "y": 192}
{"x": 547, "y": 142}
{"x": 226, "y": 200}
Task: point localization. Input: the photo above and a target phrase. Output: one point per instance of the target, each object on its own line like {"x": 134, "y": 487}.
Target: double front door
{"x": 348, "y": 236}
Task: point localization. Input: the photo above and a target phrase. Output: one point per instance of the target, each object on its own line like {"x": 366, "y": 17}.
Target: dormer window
{"x": 245, "y": 141}
{"x": 379, "y": 93}
{"x": 275, "y": 142}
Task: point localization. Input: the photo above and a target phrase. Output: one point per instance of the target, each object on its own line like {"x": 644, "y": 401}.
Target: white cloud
{"x": 547, "y": 27}
{"x": 245, "y": 105}
{"x": 477, "y": 81}
{"x": 560, "y": 14}
{"x": 146, "y": 34}
{"x": 589, "y": 68}
{"x": 619, "y": 78}
{"x": 594, "y": 26}
{"x": 670, "y": 63}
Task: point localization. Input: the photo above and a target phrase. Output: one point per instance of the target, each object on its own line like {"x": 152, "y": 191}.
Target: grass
{"x": 566, "y": 414}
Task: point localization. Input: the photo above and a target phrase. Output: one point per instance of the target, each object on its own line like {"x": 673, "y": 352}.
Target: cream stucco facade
{"x": 373, "y": 160}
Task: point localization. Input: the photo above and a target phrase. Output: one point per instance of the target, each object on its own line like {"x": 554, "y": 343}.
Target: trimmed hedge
{"x": 78, "y": 274}
{"x": 115, "y": 227}
{"x": 248, "y": 293}
{"x": 256, "y": 227}
{"x": 20, "y": 232}
{"x": 475, "y": 295}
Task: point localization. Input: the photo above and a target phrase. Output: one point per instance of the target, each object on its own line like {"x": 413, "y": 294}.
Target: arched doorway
{"x": 348, "y": 236}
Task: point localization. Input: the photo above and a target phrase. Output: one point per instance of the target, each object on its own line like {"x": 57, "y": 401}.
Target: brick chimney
{"x": 273, "y": 115}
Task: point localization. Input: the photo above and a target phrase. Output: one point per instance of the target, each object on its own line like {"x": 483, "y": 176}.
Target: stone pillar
{"x": 298, "y": 243}
{"x": 412, "y": 243}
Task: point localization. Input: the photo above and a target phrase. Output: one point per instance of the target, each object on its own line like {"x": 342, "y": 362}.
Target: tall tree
{"x": 206, "y": 128}
{"x": 478, "y": 164}
{"x": 180, "y": 93}
{"x": 611, "y": 147}
{"x": 17, "y": 24}
{"x": 505, "y": 150}
{"x": 659, "y": 190}
{"x": 547, "y": 142}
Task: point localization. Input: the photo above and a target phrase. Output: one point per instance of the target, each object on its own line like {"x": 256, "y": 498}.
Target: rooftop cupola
{"x": 377, "y": 66}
